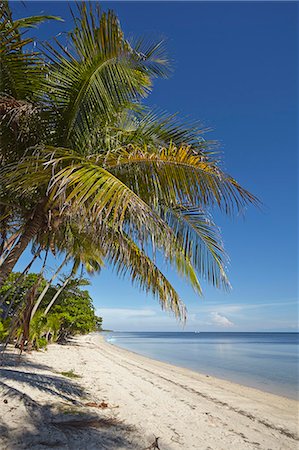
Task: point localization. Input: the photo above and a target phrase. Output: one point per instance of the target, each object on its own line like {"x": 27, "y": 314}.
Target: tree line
{"x": 72, "y": 311}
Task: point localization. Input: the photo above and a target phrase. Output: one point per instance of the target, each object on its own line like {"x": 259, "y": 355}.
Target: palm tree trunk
{"x": 57, "y": 295}
{"x": 43, "y": 293}
{"x": 7, "y": 245}
{"x": 32, "y": 227}
{"x": 26, "y": 313}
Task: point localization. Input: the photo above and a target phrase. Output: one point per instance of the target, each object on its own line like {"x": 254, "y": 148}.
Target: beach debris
{"x": 154, "y": 445}
{"x": 101, "y": 405}
{"x": 70, "y": 374}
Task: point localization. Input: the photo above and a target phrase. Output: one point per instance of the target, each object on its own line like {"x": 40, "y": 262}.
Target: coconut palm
{"x": 21, "y": 76}
{"x": 137, "y": 181}
{"x": 72, "y": 90}
{"x": 78, "y": 248}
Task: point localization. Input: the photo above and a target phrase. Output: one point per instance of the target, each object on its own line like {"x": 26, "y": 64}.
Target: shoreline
{"x": 141, "y": 399}
{"x": 216, "y": 377}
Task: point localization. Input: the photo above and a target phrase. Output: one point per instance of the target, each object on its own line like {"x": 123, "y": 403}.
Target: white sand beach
{"x": 140, "y": 399}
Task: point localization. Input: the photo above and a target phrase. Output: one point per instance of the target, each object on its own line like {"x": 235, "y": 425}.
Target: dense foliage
{"x": 72, "y": 313}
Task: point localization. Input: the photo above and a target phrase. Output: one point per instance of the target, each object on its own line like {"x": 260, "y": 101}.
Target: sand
{"x": 140, "y": 399}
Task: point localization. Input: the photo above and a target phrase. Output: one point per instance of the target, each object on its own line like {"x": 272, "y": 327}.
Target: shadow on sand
{"x": 61, "y": 421}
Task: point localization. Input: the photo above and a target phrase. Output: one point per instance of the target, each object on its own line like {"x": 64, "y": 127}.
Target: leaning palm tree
{"x": 70, "y": 90}
{"x": 78, "y": 248}
{"x": 138, "y": 182}
{"x": 21, "y": 77}
{"x": 71, "y": 283}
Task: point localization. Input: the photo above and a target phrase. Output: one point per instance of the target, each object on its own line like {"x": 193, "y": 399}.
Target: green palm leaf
{"x": 34, "y": 21}
{"x": 146, "y": 127}
{"x": 201, "y": 240}
{"x": 176, "y": 175}
{"x": 20, "y": 71}
{"x": 129, "y": 260}
{"x": 98, "y": 72}
{"x": 93, "y": 195}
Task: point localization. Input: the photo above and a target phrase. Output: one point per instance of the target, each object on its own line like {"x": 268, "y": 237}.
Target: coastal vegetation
{"x": 72, "y": 312}
{"x": 90, "y": 175}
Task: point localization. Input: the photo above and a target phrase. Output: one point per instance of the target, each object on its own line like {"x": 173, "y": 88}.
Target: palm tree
{"x": 78, "y": 248}
{"x": 21, "y": 76}
{"x": 72, "y": 284}
{"x": 68, "y": 93}
{"x": 137, "y": 181}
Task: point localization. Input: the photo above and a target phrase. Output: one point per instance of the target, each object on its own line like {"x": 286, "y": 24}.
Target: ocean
{"x": 266, "y": 361}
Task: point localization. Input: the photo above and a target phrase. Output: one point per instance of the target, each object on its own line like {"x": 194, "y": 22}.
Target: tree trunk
{"x": 32, "y": 227}
{"x": 6, "y": 246}
{"x": 57, "y": 295}
{"x": 38, "y": 301}
{"x": 27, "y": 314}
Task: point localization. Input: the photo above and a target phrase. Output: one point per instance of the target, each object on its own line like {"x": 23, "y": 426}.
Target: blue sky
{"x": 236, "y": 70}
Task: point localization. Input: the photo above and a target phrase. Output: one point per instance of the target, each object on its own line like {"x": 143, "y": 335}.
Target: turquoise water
{"x": 266, "y": 361}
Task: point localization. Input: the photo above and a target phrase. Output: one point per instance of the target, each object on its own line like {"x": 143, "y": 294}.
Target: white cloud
{"x": 207, "y": 317}
{"x": 220, "y": 320}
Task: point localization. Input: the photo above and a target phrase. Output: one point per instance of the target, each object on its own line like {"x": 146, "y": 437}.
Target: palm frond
{"x": 81, "y": 248}
{"x": 96, "y": 74}
{"x": 145, "y": 127}
{"x": 92, "y": 196}
{"x": 201, "y": 241}
{"x": 34, "y": 21}
{"x": 130, "y": 261}
{"x": 151, "y": 56}
{"x": 177, "y": 175}
{"x": 21, "y": 72}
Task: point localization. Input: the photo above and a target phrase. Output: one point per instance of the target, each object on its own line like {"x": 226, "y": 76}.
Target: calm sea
{"x": 267, "y": 361}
